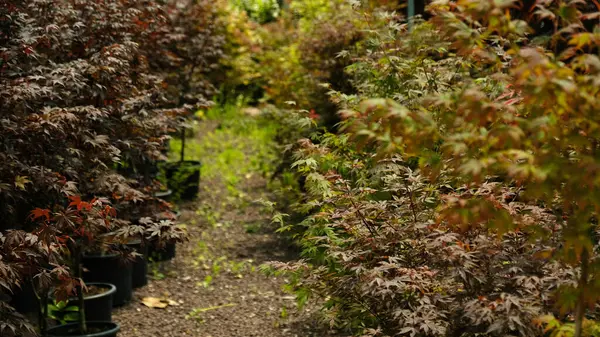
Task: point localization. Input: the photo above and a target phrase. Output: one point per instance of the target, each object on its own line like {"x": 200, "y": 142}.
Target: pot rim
{"x": 163, "y": 193}
{"x": 113, "y": 330}
{"x": 111, "y": 290}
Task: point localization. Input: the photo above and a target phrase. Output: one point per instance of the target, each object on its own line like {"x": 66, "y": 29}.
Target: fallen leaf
{"x": 153, "y": 302}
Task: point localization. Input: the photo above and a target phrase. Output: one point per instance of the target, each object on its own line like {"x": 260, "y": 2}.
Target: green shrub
{"x": 262, "y": 11}
{"x": 296, "y": 58}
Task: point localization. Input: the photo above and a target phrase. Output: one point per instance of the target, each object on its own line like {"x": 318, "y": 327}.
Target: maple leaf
{"x": 21, "y": 181}
{"x": 39, "y": 212}
{"x": 75, "y": 201}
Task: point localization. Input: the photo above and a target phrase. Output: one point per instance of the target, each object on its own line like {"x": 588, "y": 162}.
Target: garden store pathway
{"x": 214, "y": 285}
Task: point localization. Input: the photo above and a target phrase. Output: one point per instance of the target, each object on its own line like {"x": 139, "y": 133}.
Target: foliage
{"x": 90, "y": 92}
{"x": 62, "y": 312}
{"x": 186, "y": 50}
{"x": 460, "y": 198}
{"x": 13, "y": 323}
{"x": 232, "y": 146}
{"x": 262, "y": 11}
{"x": 164, "y": 231}
{"x": 289, "y": 59}
{"x": 77, "y": 228}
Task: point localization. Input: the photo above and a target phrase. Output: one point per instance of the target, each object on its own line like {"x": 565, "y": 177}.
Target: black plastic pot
{"x": 139, "y": 277}
{"x": 110, "y": 269}
{"x": 95, "y": 329}
{"x": 183, "y": 178}
{"x": 99, "y": 307}
{"x": 159, "y": 254}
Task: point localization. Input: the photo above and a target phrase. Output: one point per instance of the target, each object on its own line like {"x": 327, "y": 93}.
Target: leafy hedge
{"x": 90, "y": 92}
{"x": 460, "y": 198}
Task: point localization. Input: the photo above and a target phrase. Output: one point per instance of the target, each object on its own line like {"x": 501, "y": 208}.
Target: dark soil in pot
{"x": 95, "y": 329}
{"x": 98, "y": 301}
{"x": 110, "y": 269}
{"x": 159, "y": 254}
{"x": 139, "y": 276}
{"x": 183, "y": 178}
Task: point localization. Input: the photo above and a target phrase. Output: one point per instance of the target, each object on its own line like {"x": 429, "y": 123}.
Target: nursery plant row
{"x": 90, "y": 94}
{"x": 454, "y": 188}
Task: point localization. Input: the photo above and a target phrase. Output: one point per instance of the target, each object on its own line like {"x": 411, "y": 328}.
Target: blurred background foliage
{"x": 282, "y": 51}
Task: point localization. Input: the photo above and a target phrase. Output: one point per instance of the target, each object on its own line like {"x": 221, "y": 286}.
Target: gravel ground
{"x": 214, "y": 284}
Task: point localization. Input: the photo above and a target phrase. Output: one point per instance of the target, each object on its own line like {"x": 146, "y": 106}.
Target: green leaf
{"x": 21, "y": 181}
{"x": 72, "y": 308}
{"x": 71, "y": 317}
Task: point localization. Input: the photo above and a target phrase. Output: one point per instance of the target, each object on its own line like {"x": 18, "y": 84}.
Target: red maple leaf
{"x": 39, "y": 212}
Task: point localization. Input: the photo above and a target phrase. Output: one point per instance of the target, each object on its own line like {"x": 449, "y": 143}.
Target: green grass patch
{"x": 237, "y": 148}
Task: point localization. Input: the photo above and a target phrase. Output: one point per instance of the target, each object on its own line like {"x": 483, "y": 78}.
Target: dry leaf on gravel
{"x": 154, "y": 302}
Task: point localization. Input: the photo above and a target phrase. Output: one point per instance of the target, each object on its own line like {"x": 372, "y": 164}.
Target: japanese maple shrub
{"x": 79, "y": 94}
{"x": 460, "y": 200}
{"x": 77, "y": 229}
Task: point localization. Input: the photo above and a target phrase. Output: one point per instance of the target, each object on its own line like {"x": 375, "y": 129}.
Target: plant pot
{"x": 158, "y": 254}
{"x": 110, "y": 269}
{"x": 95, "y": 329}
{"x": 99, "y": 307}
{"x": 184, "y": 178}
{"x": 139, "y": 277}
{"x": 165, "y": 195}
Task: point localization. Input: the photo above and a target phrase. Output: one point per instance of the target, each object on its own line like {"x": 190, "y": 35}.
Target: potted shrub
{"x": 77, "y": 229}
{"x": 184, "y": 179}
{"x": 183, "y": 176}
{"x": 152, "y": 238}
{"x": 132, "y": 237}
{"x": 77, "y": 103}
{"x": 139, "y": 277}
{"x": 97, "y": 300}
{"x": 184, "y": 63}
{"x": 163, "y": 236}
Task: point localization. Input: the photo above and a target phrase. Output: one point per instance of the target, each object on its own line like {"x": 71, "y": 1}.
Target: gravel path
{"x": 214, "y": 284}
